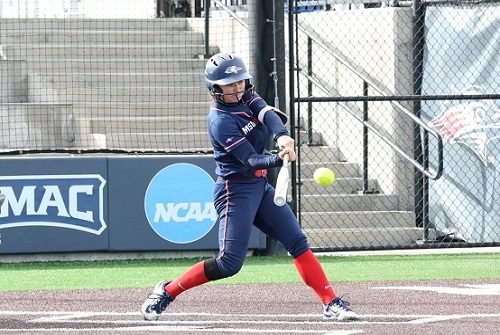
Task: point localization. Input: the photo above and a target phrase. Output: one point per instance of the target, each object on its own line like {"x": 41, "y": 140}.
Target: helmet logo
{"x": 233, "y": 69}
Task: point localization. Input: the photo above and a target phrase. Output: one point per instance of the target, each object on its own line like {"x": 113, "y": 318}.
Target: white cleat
{"x": 339, "y": 310}
{"x": 156, "y": 302}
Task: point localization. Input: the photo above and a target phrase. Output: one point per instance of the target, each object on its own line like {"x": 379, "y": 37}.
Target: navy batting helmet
{"x": 224, "y": 69}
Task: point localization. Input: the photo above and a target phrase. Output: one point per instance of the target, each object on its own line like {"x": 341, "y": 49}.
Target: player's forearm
{"x": 246, "y": 154}
{"x": 257, "y": 161}
{"x": 274, "y": 123}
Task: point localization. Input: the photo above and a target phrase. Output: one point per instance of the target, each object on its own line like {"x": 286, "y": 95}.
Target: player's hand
{"x": 286, "y": 144}
{"x": 285, "y": 141}
{"x": 292, "y": 156}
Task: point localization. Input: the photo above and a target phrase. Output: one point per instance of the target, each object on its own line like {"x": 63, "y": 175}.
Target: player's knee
{"x": 230, "y": 264}
{"x": 232, "y": 267}
{"x": 232, "y": 270}
{"x": 212, "y": 270}
{"x": 222, "y": 268}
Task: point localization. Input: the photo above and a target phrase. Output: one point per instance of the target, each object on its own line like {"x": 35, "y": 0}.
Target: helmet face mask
{"x": 218, "y": 93}
{"x": 225, "y": 69}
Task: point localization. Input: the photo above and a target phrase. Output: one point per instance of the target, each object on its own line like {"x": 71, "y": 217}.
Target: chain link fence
{"x": 111, "y": 76}
{"x": 402, "y": 103}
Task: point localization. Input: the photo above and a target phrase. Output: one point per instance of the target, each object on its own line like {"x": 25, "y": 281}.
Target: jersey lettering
{"x": 248, "y": 127}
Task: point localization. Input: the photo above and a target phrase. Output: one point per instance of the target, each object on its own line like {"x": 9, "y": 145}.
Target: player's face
{"x": 232, "y": 93}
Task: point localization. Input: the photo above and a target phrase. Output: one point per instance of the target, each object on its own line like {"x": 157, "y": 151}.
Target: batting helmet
{"x": 224, "y": 69}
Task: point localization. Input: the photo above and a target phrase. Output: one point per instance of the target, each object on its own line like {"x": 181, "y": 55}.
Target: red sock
{"x": 311, "y": 272}
{"x": 194, "y": 276}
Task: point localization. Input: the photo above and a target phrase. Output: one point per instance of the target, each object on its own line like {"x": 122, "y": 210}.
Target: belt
{"x": 258, "y": 174}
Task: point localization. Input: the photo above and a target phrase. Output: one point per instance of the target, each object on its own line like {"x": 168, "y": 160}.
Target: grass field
{"x": 144, "y": 273}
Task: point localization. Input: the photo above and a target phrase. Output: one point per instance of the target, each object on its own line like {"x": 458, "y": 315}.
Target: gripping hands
{"x": 286, "y": 145}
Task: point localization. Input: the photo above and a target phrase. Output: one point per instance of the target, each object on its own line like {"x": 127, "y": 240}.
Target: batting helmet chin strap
{"x": 216, "y": 92}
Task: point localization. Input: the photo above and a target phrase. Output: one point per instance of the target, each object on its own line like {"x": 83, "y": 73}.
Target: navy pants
{"x": 243, "y": 203}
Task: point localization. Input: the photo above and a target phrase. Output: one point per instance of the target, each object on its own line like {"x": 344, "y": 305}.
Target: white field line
{"x": 60, "y": 316}
{"x": 204, "y": 326}
{"x": 251, "y": 330}
{"x": 170, "y": 326}
{"x": 436, "y": 319}
{"x": 473, "y": 290}
{"x": 83, "y": 314}
{"x": 180, "y": 322}
{"x": 182, "y": 329}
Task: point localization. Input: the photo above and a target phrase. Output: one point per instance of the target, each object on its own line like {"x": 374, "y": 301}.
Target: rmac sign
{"x": 65, "y": 201}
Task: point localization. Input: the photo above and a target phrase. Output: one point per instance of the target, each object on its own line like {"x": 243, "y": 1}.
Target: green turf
{"x": 145, "y": 273}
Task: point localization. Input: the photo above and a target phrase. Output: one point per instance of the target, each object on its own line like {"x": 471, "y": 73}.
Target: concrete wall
{"x": 379, "y": 41}
{"x": 13, "y": 81}
{"x": 31, "y": 115}
{"x": 227, "y": 34}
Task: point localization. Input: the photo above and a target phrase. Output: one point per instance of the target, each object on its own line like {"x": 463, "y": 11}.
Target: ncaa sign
{"x": 179, "y": 203}
{"x": 64, "y": 201}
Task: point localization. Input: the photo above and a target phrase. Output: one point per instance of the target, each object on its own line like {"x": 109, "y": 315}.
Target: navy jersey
{"x": 239, "y": 134}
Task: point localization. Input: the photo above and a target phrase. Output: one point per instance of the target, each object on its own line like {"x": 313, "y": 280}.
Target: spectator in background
{"x": 184, "y": 9}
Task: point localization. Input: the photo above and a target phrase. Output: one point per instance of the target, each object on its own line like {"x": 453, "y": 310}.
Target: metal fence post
{"x": 206, "y": 8}
{"x": 309, "y": 91}
{"x": 365, "y": 139}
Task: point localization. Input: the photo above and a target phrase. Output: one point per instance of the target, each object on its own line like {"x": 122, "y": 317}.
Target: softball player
{"x": 239, "y": 124}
